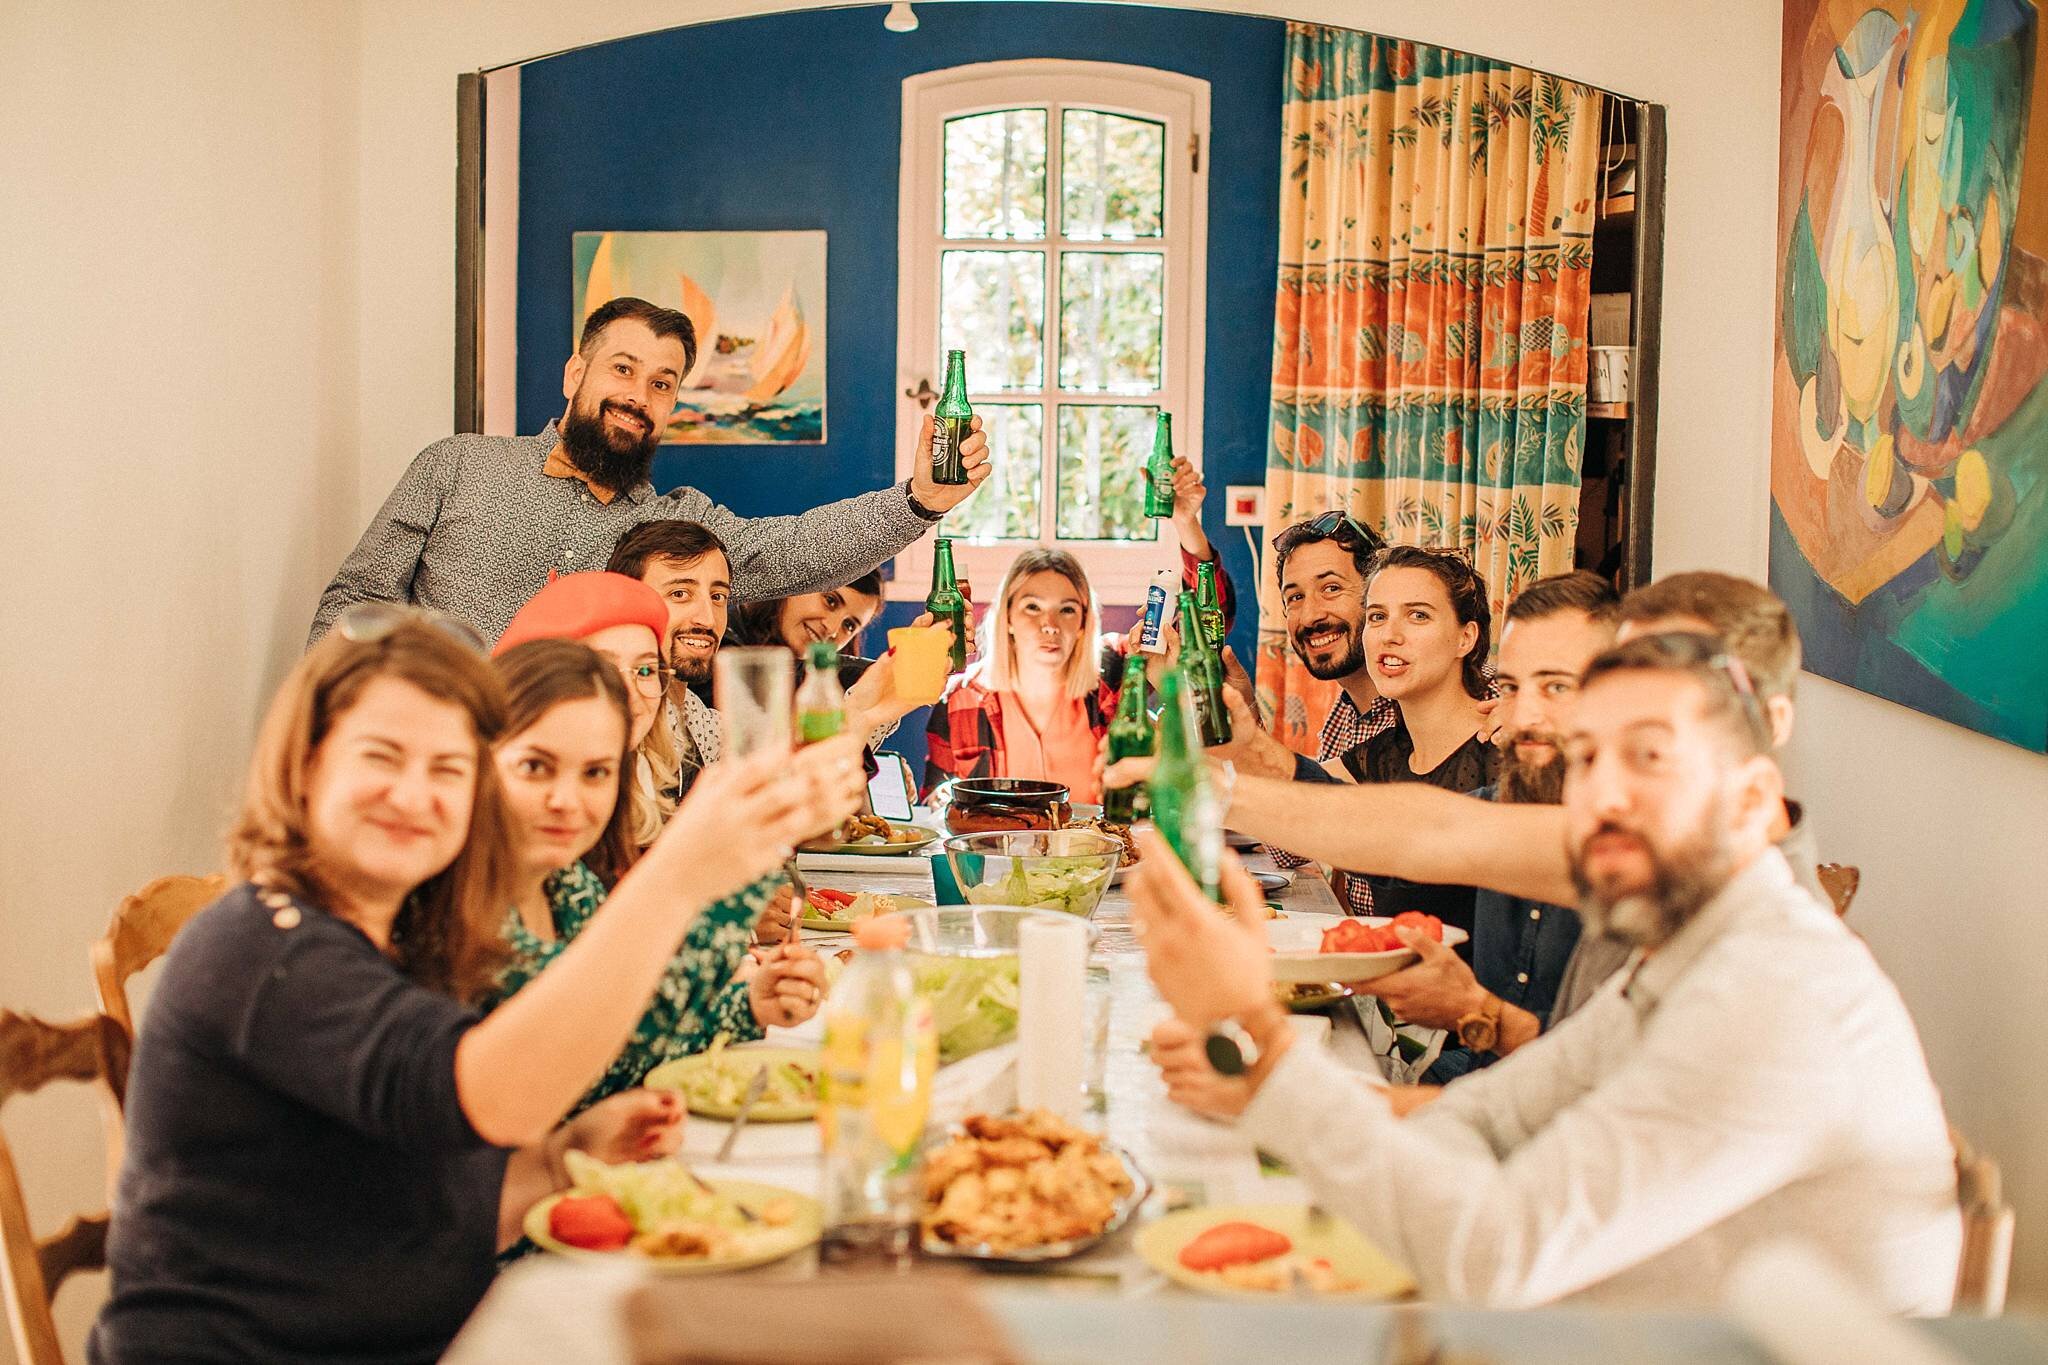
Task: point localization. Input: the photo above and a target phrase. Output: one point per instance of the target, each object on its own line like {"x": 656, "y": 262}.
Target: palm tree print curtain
{"x": 1429, "y": 342}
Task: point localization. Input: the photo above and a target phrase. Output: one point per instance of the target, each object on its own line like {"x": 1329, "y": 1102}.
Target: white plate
{"x": 1295, "y": 959}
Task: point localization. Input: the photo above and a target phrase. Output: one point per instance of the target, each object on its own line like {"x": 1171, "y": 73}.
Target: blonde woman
{"x": 1036, "y": 705}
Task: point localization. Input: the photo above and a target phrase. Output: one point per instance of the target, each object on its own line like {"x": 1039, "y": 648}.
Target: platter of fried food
{"x": 1025, "y": 1187}
{"x": 871, "y": 834}
{"x": 1120, "y": 833}
{"x": 1269, "y": 1250}
{"x": 655, "y": 1213}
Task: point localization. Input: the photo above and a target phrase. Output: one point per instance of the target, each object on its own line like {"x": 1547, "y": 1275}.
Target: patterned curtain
{"x": 1429, "y": 340}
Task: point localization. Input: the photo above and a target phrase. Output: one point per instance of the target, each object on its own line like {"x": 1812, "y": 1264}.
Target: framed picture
{"x": 757, "y": 300}
{"x": 1909, "y": 460}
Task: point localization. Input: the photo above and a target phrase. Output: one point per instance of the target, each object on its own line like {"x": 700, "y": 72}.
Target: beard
{"x": 1532, "y": 784}
{"x": 689, "y": 668}
{"x": 1343, "y": 666}
{"x": 1683, "y": 878}
{"x": 615, "y": 460}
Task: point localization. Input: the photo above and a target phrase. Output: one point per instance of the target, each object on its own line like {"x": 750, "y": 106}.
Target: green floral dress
{"x": 698, "y": 997}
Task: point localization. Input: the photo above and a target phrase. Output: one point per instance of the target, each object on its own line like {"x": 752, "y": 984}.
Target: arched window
{"x": 1053, "y": 226}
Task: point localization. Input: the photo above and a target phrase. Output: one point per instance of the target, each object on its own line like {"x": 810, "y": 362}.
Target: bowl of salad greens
{"x": 1066, "y": 870}
{"x": 964, "y": 960}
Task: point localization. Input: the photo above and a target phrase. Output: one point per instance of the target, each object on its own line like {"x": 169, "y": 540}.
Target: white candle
{"x": 1052, "y": 1015}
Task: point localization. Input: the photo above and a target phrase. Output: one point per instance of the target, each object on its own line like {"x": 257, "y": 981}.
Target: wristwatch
{"x": 1231, "y": 1049}
{"x": 918, "y": 509}
{"x": 1480, "y": 1029}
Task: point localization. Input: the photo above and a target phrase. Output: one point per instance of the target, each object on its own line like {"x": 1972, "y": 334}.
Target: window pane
{"x": 995, "y": 175}
{"x": 992, "y": 306}
{"x": 1110, "y": 311}
{"x": 1102, "y": 457}
{"x": 1007, "y": 506}
{"x": 1112, "y": 176}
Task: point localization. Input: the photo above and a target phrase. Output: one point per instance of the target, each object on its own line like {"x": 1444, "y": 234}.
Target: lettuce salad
{"x": 973, "y": 1000}
{"x": 1071, "y": 886}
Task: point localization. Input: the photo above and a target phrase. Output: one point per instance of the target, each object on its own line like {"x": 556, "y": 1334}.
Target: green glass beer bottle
{"x": 1185, "y": 809}
{"x": 1209, "y": 607}
{"x": 1159, "y": 470}
{"x": 946, "y": 602}
{"x": 1205, "y": 675}
{"x": 950, "y": 423}
{"x": 821, "y": 701}
{"x": 1130, "y": 736}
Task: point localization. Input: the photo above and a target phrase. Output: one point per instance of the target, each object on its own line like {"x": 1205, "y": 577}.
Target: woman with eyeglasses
{"x": 326, "y": 1143}
{"x": 1426, "y": 627}
{"x": 566, "y": 770}
{"x": 623, "y": 621}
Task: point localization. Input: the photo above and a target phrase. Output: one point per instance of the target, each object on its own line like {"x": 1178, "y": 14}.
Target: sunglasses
{"x": 1737, "y": 674}
{"x": 365, "y": 623}
{"x": 1339, "y": 526}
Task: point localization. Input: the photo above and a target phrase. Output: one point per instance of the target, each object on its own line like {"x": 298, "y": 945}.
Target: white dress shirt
{"x": 1757, "y": 1078}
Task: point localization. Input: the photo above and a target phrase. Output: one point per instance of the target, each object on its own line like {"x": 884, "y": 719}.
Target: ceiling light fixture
{"x": 901, "y": 18}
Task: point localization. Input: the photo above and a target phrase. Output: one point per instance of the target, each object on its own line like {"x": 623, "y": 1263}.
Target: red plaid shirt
{"x": 964, "y": 737}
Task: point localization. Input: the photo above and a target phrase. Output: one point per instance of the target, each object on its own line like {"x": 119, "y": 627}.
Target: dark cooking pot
{"x": 975, "y": 805}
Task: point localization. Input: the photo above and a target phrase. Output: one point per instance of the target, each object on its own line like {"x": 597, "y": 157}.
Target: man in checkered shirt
{"x": 1322, "y": 564}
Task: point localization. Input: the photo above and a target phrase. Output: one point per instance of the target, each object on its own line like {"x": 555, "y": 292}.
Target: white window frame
{"x": 1119, "y": 571}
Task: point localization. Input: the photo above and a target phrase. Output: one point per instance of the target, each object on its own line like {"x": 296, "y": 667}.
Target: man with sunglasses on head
{"x": 477, "y": 524}
{"x": 1630, "y": 1157}
{"x": 1321, "y": 564}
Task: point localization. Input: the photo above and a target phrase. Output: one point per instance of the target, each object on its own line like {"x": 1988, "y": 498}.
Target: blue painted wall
{"x": 794, "y": 121}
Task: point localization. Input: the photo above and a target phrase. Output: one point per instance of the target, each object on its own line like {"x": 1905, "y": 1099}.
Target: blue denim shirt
{"x": 1519, "y": 951}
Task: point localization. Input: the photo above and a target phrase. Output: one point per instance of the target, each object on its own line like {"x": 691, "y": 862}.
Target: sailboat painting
{"x": 757, "y": 300}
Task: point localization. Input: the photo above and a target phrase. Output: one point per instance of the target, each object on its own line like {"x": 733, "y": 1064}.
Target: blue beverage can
{"x": 1157, "y": 598}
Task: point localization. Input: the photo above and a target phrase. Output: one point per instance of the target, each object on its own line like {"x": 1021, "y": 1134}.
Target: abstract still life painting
{"x": 757, "y": 300}
{"x": 1909, "y": 462}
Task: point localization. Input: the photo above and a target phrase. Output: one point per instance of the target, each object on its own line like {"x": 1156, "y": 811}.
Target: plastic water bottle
{"x": 875, "y": 1099}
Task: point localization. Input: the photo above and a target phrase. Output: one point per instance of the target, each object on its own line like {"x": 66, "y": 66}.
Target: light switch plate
{"x": 1244, "y": 504}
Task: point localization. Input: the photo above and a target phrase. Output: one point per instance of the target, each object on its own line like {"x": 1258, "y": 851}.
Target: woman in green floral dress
{"x": 565, "y": 767}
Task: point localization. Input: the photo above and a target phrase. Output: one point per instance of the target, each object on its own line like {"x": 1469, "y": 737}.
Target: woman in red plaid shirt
{"x": 1039, "y": 701}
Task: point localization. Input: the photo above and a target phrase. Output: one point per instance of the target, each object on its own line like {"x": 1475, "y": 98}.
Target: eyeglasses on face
{"x": 649, "y": 680}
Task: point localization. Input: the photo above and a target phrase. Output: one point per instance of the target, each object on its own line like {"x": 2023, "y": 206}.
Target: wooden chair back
{"x": 1986, "y": 1263}
{"x": 1840, "y": 881}
{"x": 142, "y": 929}
{"x": 32, "y": 1054}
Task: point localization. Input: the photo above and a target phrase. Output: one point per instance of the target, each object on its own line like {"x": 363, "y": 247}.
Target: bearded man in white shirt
{"x": 1749, "y": 1075}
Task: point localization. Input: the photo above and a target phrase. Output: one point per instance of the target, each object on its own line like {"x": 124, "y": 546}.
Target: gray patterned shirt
{"x": 474, "y": 526}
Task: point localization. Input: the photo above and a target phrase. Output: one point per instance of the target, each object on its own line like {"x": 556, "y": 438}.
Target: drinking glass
{"x": 754, "y": 690}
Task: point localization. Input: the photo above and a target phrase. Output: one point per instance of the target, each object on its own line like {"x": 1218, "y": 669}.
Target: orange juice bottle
{"x": 875, "y": 1098}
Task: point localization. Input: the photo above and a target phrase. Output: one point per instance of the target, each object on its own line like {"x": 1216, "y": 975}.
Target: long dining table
{"x": 1108, "y": 1304}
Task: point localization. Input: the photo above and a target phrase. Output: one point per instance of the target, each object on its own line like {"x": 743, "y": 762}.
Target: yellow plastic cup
{"x": 924, "y": 655}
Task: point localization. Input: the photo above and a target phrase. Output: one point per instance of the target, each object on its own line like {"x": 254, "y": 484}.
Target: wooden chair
{"x": 1840, "y": 881}
{"x": 1986, "y": 1262}
{"x": 140, "y": 932}
{"x": 32, "y": 1054}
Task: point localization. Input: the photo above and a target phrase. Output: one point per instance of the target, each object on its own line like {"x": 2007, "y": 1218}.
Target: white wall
{"x": 177, "y": 370}
{"x": 230, "y": 317}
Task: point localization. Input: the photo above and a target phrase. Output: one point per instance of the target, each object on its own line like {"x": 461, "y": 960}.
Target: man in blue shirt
{"x": 1519, "y": 947}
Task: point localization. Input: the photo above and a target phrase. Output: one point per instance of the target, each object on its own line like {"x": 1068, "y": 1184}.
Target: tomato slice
{"x": 1416, "y": 919}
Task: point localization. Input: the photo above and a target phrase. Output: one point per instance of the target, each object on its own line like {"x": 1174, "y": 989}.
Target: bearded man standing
{"x": 478, "y": 523}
